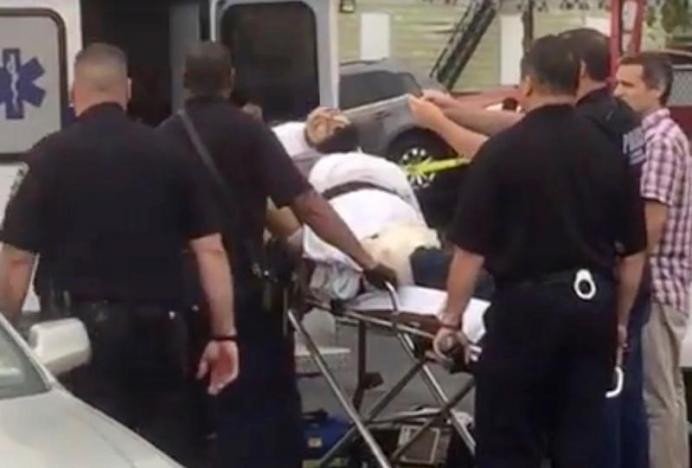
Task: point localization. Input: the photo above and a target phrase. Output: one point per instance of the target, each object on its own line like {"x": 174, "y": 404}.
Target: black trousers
{"x": 138, "y": 372}
{"x": 547, "y": 363}
{"x": 259, "y": 417}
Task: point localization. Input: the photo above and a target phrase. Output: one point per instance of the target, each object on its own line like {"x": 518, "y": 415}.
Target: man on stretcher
{"x": 374, "y": 198}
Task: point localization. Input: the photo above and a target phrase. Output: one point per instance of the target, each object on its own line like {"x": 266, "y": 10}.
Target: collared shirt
{"x": 546, "y": 196}
{"x": 667, "y": 179}
{"x": 109, "y": 206}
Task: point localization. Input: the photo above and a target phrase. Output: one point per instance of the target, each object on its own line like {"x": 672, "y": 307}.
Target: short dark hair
{"x": 591, "y": 47}
{"x": 344, "y": 140}
{"x": 657, "y": 71}
{"x": 552, "y": 65}
{"x": 208, "y": 69}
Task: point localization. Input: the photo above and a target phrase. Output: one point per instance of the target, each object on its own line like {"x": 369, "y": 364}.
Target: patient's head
{"x": 343, "y": 140}
{"x": 330, "y": 131}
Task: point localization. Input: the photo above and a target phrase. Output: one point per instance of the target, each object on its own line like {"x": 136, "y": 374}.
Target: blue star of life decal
{"x": 18, "y": 83}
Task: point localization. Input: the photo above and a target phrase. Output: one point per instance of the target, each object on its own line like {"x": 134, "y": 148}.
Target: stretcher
{"x": 409, "y": 315}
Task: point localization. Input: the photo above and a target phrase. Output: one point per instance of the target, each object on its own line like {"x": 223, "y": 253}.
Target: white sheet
{"x": 425, "y": 302}
{"x": 367, "y": 212}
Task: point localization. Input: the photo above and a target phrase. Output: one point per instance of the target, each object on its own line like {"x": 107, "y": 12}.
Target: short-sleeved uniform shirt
{"x": 546, "y": 196}
{"x": 254, "y": 165}
{"x": 109, "y": 206}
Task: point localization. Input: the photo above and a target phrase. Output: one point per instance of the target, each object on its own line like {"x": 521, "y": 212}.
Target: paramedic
{"x": 259, "y": 415}
{"x": 109, "y": 205}
{"x": 551, "y": 214}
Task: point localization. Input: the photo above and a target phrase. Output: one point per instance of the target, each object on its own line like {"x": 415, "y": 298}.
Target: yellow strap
{"x": 431, "y": 166}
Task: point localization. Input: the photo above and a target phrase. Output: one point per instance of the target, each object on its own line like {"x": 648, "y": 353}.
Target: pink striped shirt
{"x": 667, "y": 179}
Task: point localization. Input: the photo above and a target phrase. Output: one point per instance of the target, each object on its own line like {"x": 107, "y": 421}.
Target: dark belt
{"x": 65, "y": 299}
{"x": 350, "y": 187}
{"x": 559, "y": 277}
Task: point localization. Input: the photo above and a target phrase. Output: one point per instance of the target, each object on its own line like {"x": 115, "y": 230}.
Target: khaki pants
{"x": 664, "y": 389}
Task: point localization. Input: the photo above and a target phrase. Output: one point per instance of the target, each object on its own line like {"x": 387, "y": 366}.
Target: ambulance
{"x": 285, "y": 55}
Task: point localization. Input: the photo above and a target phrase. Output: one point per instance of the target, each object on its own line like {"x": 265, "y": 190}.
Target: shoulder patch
{"x": 22, "y": 172}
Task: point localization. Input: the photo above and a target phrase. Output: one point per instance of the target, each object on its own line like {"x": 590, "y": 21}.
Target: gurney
{"x": 409, "y": 315}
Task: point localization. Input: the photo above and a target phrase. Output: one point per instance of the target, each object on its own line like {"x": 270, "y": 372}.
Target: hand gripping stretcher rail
{"x": 409, "y": 315}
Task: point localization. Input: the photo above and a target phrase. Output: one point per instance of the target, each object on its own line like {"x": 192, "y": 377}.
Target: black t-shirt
{"x": 109, "y": 206}
{"x": 253, "y": 163}
{"x": 547, "y": 195}
{"x": 618, "y": 122}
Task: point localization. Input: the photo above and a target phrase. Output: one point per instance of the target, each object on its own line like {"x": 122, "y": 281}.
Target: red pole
{"x": 626, "y": 28}
{"x": 615, "y": 34}
{"x": 635, "y": 44}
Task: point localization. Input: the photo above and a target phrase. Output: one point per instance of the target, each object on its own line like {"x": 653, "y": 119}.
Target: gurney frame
{"x": 420, "y": 366}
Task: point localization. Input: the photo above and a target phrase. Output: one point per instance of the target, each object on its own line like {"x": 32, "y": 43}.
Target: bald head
{"x": 100, "y": 76}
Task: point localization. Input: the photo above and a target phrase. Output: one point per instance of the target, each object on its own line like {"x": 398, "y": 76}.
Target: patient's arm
{"x": 282, "y": 223}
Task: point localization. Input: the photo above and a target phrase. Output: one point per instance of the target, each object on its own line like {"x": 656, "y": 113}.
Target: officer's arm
{"x": 463, "y": 141}
{"x": 217, "y": 283}
{"x": 461, "y": 282}
{"x": 629, "y": 274}
{"x": 313, "y": 210}
{"x": 16, "y": 268}
{"x": 487, "y": 122}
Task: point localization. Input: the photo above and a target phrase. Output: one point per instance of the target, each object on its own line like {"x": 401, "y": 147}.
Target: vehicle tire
{"x": 415, "y": 147}
{"x": 437, "y": 193}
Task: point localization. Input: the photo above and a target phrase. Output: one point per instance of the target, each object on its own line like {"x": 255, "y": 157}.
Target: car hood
{"x": 56, "y": 430}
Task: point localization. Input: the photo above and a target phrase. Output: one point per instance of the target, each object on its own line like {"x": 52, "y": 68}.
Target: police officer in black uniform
{"x": 109, "y": 206}
{"x": 627, "y": 441}
{"x": 552, "y": 214}
{"x": 259, "y": 416}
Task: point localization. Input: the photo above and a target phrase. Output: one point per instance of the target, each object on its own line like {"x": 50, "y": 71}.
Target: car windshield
{"x": 18, "y": 377}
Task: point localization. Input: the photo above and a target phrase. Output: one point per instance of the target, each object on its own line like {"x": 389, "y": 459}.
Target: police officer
{"x": 627, "y": 441}
{"x": 259, "y": 416}
{"x": 109, "y": 205}
{"x": 551, "y": 213}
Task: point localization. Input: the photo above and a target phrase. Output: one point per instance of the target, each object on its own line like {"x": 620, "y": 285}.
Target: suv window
{"x": 359, "y": 89}
{"x": 274, "y": 48}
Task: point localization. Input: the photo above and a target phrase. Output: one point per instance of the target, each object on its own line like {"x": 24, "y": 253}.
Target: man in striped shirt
{"x": 644, "y": 82}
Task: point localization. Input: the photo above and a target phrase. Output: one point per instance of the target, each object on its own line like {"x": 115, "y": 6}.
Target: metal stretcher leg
{"x": 339, "y": 392}
{"x": 437, "y": 392}
{"x": 445, "y": 411}
{"x": 373, "y": 412}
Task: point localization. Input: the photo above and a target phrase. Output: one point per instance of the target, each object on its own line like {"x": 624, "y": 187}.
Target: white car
{"x": 44, "y": 426}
